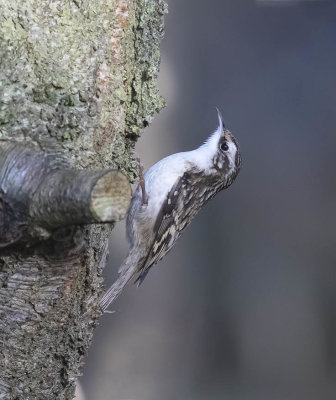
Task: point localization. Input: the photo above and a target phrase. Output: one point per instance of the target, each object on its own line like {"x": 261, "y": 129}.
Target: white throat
{"x": 203, "y": 156}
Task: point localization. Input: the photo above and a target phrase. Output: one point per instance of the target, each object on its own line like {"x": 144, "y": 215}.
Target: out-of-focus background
{"x": 244, "y": 306}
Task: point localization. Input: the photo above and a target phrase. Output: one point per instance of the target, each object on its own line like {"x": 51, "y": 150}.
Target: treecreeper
{"x": 168, "y": 197}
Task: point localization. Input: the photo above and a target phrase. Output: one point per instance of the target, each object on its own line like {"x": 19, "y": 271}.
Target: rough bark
{"x": 77, "y": 79}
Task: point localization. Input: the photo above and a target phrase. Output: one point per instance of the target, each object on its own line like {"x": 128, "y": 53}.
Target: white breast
{"x": 161, "y": 177}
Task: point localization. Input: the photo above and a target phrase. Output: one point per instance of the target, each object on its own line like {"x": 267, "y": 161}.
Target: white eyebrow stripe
{"x": 232, "y": 152}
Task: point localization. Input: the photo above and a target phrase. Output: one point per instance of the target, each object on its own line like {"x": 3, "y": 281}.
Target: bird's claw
{"x": 142, "y": 182}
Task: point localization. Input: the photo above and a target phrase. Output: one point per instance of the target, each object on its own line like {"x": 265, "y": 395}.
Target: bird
{"x": 168, "y": 197}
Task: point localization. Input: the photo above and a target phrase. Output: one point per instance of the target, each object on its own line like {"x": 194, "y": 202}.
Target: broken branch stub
{"x": 41, "y": 192}
{"x": 75, "y": 197}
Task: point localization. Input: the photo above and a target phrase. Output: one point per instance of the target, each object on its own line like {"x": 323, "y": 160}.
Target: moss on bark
{"x": 77, "y": 78}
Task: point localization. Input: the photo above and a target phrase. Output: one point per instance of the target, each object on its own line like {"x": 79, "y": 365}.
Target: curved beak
{"x": 220, "y": 120}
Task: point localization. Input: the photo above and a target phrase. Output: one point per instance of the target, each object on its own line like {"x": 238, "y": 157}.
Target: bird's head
{"x": 227, "y": 159}
{"x": 222, "y": 155}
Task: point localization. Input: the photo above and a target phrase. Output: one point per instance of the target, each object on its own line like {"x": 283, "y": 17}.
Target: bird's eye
{"x": 224, "y": 146}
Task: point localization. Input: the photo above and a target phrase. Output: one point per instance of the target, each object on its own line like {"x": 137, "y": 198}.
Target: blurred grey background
{"x": 244, "y": 306}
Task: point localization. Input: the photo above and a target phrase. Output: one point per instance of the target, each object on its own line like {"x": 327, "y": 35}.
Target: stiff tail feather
{"x": 114, "y": 291}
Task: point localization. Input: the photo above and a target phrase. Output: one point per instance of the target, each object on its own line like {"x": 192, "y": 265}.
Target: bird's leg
{"x": 142, "y": 182}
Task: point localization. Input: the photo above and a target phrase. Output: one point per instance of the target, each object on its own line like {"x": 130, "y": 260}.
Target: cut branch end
{"x": 110, "y": 197}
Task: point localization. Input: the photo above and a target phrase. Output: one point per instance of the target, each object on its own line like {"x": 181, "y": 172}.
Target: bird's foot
{"x": 142, "y": 182}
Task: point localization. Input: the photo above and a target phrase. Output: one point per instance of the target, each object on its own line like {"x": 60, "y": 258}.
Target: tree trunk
{"x": 77, "y": 85}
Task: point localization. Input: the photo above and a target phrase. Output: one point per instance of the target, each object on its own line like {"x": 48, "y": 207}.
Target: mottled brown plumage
{"x": 178, "y": 187}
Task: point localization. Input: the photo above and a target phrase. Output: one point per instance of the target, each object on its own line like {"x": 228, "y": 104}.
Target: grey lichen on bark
{"x": 77, "y": 79}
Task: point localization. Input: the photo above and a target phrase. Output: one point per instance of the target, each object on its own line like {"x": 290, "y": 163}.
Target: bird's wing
{"x": 174, "y": 215}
